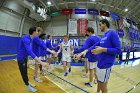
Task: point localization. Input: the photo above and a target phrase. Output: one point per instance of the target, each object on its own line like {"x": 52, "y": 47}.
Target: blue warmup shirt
{"x": 42, "y": 51}
{"x": 36, "y": 44}
{"x": 56, "y": 47}
{"x": 24, "y": 49}
{"x": 48, "y": 45}
{"x": 88, "y": 43}
{"x": 109, "y": 40}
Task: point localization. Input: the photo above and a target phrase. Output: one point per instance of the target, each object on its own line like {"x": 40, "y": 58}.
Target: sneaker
{"x": 85, "y": 76}
{"x": 95, "y": 81}
{"x": 32, "y": 85}
{"x": 60, "y": 64}
{"x": 42, "y": 73}
{"x": 88, "y": 84}
{"x": 31, "y": 89}
{"x": 66, "y": 74}
{"x": 69, "y": 69}
{"x": 37, "y": 79}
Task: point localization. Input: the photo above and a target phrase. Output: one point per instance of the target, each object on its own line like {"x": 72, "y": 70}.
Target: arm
{"x": 116, "y": 48}
{"x": 39, "y": 42}
{"x": 92, "y": 47}
{"x": 29, "y": 51}
{"x": 60, "y": 49}
{"x": 116, "y": 44}
{"x": 28, "y": 48}
{"x": 84, "y": 47}
{"x": 88, "y": 49}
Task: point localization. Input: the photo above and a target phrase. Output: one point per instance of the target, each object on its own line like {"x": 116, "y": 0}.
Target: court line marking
{"x": 52, "y": 82}
{"x": 69, "y": 83}
{"x": 66, "y": 82}
{"x": 133, "y": 88}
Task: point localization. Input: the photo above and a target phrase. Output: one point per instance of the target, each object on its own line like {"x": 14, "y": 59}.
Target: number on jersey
{"x": 66, "y": 49}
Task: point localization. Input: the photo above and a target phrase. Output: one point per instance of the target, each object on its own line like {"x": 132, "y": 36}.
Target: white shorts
{"x": 91, "y": 65}
{"x": 49, "y": 56}
{"x": 66, "y": 58}
{"x": 103, "y": 75}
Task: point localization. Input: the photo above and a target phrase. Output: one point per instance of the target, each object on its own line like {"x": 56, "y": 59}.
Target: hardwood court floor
{"x": 123, "y": 78}
{"x": 11, "y": 81}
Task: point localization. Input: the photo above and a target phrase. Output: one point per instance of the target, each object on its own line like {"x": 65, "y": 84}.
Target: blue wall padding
{"x": 8, "y": 45}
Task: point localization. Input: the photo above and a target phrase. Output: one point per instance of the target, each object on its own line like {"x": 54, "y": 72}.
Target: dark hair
{"x": 31, "y": 30}
{"x": 48, "y": 36}
{"x": 104, "y": 21}
{"x": 42, "y": 35}
{"x": 90, "y": 29}
{"x": 39, "y": 29}
{"x": 86, "y": 35}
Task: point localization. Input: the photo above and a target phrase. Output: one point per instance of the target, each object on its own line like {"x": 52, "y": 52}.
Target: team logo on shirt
{"x": 103, "y": 39}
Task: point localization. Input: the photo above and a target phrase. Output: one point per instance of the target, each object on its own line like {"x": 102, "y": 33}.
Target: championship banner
{"x": 82, "y": 26}
{"x": 72, "y": 27}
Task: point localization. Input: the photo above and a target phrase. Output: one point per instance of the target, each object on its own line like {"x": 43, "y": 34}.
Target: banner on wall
{"x": 82, "y": 26}
{"x": 115, "y": 16}
{"x": 121, "y": 24}
{"x": 104, "y": 13}
{"x": 120, "y": 32}
{"x": 55, "y": 13}
{"x": 66, "y": 11}
{"x": 80, "y": 11}
{"x": 93, "y": 12}
{"x": 72, "y": 27}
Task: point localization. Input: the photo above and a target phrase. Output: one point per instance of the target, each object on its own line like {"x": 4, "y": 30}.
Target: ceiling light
{"x": 49, "y": 3}
{"x": 93, "y": 0}
{"x": 126, "y": 10}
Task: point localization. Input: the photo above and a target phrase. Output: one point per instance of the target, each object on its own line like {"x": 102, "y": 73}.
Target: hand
{"x": 97, "y": 50}
{"x": 84, "y": 52}
{"x": 56, "y": 55}
{"x": 72, "y": 54}
{"x": 53, "y": 52}
{"x": 78, "y": 56}
{"x": 45, "y": 65}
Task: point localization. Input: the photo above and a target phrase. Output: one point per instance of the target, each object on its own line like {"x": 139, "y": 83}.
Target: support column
{"x": 22, "y": 22}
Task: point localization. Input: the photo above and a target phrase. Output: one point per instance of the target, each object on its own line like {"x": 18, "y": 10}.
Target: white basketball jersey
{"x": 66, "y": 49}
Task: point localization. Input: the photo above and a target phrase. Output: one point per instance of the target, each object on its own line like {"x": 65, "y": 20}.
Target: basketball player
{"x": 92, "y": 59}
{"x": 67, "y": 50}
{"x": 107, "y": 49}
{"x": 23, "y": 51}
{"x": 85, "y": 62}
{"x": 36, "y": 44}
{"x": 42, "y": 52}
{"x": 49, "y": 46}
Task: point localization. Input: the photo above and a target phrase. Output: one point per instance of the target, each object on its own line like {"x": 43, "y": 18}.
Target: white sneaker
{"x": 60, "y": 64}
{"x": 37, "y": 79}
{"x": 32, "y": 85}
{"x": 31, "y": 89}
